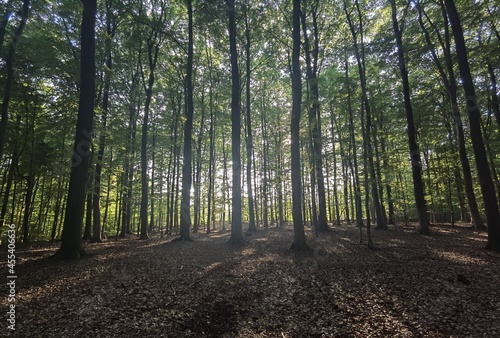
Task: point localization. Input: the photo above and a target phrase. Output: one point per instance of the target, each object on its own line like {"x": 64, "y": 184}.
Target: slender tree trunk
{"x": 249, "y": 148}
{"x": 279, "y": 179}
{"x": 370, "y": 179}
{"x": 236, "y": 226}
{"x": 211, "y": 163}
{"x": 153, "y": 48}
{"x": 130, "y": 152}
{"x": 96, "y": 204}
{"x": 299, "y": 238}
{"x": 225, "y": 189}
{"x": 345, "y": 176}
{"x": 188, "y": 130}
{"x": 71, "y": 245}
{"x": 144, "y": 165}
{"x": 197, "y": 174}
{"x": 315, "y": 123}
{"x": 152, "y": 197}
{"x": 378, "y": 177}
{"x": 57, "y": 209}
{"x": 335, "y": 191}
{"x": 265, "y": 180}
{"x": 353, "y": 156}
{"x": 418, "y": 184}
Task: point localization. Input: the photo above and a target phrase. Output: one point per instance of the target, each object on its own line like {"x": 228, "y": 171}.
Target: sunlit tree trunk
{"x": 249, "y": 148}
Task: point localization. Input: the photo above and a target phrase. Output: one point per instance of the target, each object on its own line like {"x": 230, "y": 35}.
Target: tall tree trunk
{"x": 236, "y": 226}
{"x": 353, "y": 162}
{"x": 279, "y": 174}
{"x": 418, "y": 184}
{"x": 9, "y": 63}
{"x": 335, "y": 192}
{"x": 483, "y": 169}
{"x": 345, "y": 176}
{"x": 366, "y": 129}
{"x": 71, "y": 245}
{"x": 249, "y": 148}
{"x": 153, "y": 44}
{"x": 299, "y": 237}
{"x": 265, "y": 179}
{"x": 96, "y": 204}
{"x": 198, "y": 166}
{"x": 211, "y": 163}
{"x": 152, "y": 196}
{"x": 225, "y": 189}
{"x": 188, "y": 131}
{"x": 130, "y": 153}
{"x": 144, "y": 143}
{"x": 317, "y": 177}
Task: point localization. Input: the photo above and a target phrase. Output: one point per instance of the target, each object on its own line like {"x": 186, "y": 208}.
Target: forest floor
{"x": 444, "y": 285}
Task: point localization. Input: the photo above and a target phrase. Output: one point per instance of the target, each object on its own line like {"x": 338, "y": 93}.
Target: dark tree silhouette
{"x": 236, "y": 227}
{"x": 299, "y": 237}
{"x": 71, "y": 245}
{"x": 188, "y": 131}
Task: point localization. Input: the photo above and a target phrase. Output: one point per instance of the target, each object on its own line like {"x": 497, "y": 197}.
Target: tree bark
{"x": 236, "y": 226}
{"x": 249, "y": 148}
{"x": 188, "y": 130}
{"x": 71, "y": 245}
{"x": 299, "y": 237}
{"x": 96, "y": 204}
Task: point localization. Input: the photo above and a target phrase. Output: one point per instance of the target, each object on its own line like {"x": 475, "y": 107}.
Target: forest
{"x": 321, "y": 135}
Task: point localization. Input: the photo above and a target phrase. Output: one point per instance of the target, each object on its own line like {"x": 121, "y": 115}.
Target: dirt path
{"x": 445, "y": 285}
